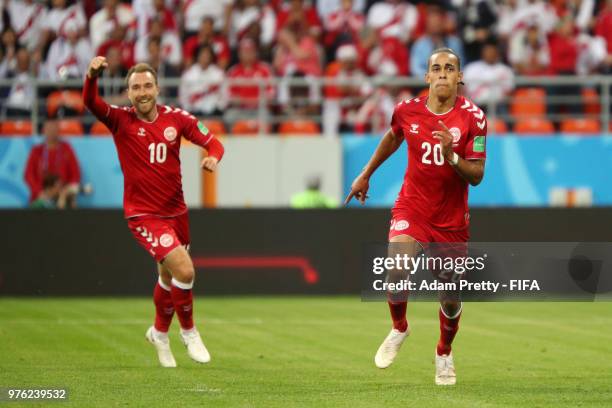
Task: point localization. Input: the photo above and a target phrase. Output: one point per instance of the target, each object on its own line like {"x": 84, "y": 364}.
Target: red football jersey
{"x": 244, "y": 95}
{"x": 432, "y": 189}
{"x": 149, "y": 153}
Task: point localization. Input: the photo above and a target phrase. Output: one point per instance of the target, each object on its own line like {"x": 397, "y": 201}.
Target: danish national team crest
{"x": 456, "y": 134}
{"x": 170, "y": 134}
{"x": 399, "y": 225}
{"x": 166, "y": 240}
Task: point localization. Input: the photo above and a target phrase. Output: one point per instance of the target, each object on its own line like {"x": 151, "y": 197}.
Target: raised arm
{"x": 91, "y": 98}
{"x": 387, "y": 146}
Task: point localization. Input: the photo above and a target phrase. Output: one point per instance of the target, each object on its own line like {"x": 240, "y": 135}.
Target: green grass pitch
{"x": 308, "y": 351}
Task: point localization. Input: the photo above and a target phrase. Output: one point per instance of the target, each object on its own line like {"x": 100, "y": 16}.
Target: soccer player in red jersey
{"x": 148, "y": 139}
{"x": 445, "y": 133}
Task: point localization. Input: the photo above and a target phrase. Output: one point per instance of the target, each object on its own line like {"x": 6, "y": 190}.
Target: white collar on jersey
{"x": 439, "y": 114}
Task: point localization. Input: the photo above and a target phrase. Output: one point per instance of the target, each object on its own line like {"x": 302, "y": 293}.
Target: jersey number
{"x": 158, "y": 152}
{"x": 437, "y": 154}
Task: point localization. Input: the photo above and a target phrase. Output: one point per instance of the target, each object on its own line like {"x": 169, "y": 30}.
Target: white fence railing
{"x": 281, "y": 99}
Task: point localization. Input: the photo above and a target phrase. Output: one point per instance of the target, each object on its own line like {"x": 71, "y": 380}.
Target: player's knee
{"x": 451, "y": 307}
{"x": 184, "y": 273}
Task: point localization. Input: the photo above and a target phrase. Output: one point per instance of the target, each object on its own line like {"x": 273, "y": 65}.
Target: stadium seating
{"x": 299, "y": 127}
{"x": 591, "y": 101}
{"x": 71, "y": 100}
{"x": 99, "y": 129}
{"x": 497, "y": 126}
{"x": 70, "y": 127}
{"x": 216, "y": 127}
{"x": 528, "y": 102}
{"x": 584, "y": 126}
{"x": 247, "y": 127}
{"x": 16, "y": 128}
{"x": 534, "y": 125}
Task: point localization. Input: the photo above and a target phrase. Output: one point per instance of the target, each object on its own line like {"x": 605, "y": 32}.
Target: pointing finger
{"x": 348, "y": 197}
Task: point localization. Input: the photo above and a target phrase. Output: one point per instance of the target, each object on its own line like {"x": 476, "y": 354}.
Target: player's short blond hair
{"x": 139, "y": 68}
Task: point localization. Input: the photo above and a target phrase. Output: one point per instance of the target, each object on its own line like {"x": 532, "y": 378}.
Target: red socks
{"x": 164, "y": 308}
{"x": 398, "y": 315}
{"x": 448, "y": 330}
{"x": 182, "y": 299}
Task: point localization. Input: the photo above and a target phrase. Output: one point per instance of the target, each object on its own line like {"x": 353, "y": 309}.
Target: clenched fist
{"x": 210, "y": 163}
{"x": 96, "y": 66}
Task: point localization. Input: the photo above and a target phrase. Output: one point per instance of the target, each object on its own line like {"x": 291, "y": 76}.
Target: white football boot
{"x": 195, "y": 347}
{"x": 390, "y": 347}
{"x": 162, "y": 345}
{"x": 445, "y": 370}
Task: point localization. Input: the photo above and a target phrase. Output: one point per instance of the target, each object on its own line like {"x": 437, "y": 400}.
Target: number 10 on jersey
{"x": 157, "y": 152}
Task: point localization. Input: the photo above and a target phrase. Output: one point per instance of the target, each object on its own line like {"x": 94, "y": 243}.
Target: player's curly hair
{"x": 138, "y": 68}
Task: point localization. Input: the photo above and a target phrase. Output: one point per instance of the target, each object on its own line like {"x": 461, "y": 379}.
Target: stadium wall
{"x": 91, "y": 252}
{"x": 520, "y": 171}
{"x": 256, "y": 172}
{"x": 265, "y": 172}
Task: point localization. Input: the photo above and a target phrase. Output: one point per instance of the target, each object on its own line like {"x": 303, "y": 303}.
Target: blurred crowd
{"x": 204, "y": 42}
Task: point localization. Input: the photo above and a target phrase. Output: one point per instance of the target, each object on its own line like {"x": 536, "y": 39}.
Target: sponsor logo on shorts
{"x": 170, "y": 134}
{"x": 166, "y": 240}
{"x": 400, "y": 225}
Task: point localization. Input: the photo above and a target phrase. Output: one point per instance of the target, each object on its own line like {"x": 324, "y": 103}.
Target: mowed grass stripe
{"x": 292, "y": 351}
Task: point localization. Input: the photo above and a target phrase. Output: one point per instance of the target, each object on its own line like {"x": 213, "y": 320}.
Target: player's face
{"x": 443, "y": 75}
{"x": 143, "y": 91}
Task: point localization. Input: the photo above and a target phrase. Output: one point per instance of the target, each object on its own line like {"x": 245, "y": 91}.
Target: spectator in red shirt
{"x": 244, "y": 99}
{"x": 564, "y": 49}
{"x": 298, "y": 56}
{"x": 293, "y": 10}
{"x": 53, "y": 156}
{"x": 343, "y": 26}
{"x": 207, "y": 36}
{"x": 297, "y": 50}
{"x": 118, "y": 38}
{"x": 249, "y": 67}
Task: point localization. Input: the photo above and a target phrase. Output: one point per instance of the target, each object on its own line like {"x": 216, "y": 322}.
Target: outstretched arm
{"x": 387, "y": 146}
{"x": 91, "y": 98}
